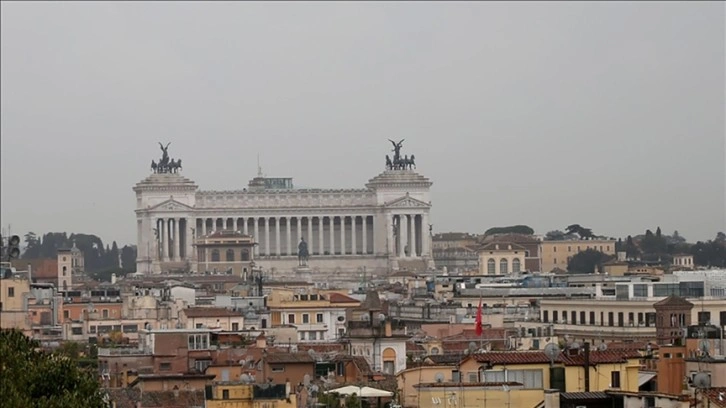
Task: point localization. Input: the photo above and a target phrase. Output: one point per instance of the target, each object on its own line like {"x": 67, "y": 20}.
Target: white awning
{"x": 363, "y": 392}
{"x": 644, "y": 378}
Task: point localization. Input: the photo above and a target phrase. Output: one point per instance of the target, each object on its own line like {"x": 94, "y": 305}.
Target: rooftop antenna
{"x": 259, "y": 168}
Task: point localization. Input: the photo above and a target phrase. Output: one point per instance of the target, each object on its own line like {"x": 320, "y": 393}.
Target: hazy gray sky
{"x": 606, "y": 114}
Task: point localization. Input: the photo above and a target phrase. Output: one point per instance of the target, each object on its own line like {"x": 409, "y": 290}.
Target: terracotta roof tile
{"x": 287, "y": 358}
{"x": 341, "y": 298}
{"x": 539, "y": 357}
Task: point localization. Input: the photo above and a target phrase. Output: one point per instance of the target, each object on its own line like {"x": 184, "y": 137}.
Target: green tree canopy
{"x": 514, "y": 229}
{"x": 33, "y": 378}
{"x": 587, "y": 261}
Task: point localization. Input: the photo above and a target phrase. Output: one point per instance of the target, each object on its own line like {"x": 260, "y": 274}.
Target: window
{"x": 64, "y": 271}
{"x": 11, "y": 292}
{"x": 225, "y": 394}
{"x": 555, "y": 316}
{"x": 66, "y": 314}
{"x": 235, "y": 326}
{"x": 621, "y": 319}
{"x": 582, "y": 318}
{"x": 198, "y": 341}
{"x": 491, "y": 266}
{"x": 319, "y": 318}
{"x": 503, "y": 266}
{"x": 494, "y": 376}
{"x": 592, "y": 318}
{"x": 215, "y": 255}
{"x": 554, "y": 260}
{"x": 631, "y": 318}
{"x": 306, "y": 318}
{"x": 389, "y": 367}
{"x": 546, "y": 316}
{"x": 291, "y": 318}
{"x": 202, "y": 365}
{"x": 573, "y": 317}
{"x": 245, "y": 255}
{"x": 77, "y": 330}
{"x": 165, "y": 367}
{"x": 104, "y": 313}
{"x": 278, "y": 369}
{"x": 473, "y": 377}
{"x": 313, "y": 335}
{"x": 704, "y": 318}
{"x": 340, "y": 369}
{"x": 615, "y": 379}
{"x": 230, "y": 255}
{"x": 130, "y": 328}
{"x": 531, "y": 379}
{"x": 199, "y": 325}
{"x": 640, "y": 290}
{"x": 516, "y": 267}
{"x": 569, "y": 249}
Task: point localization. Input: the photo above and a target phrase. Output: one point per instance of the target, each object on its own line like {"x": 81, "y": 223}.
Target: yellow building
{"x": 501, "y": 258}
{"x": 520, "y": 378}
{"x": 557, "y": 254}
{"x": 317, "y": 315}
{"x": 226, "y": 250}
{"x": 241, "y": 395}
{"x": 13, "y": 303}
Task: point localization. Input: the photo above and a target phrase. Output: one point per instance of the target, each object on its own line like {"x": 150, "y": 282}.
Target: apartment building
{"x": 557, "y": 254}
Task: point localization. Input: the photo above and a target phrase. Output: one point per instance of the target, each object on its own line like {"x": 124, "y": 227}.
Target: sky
{"x": 610, "y": 115}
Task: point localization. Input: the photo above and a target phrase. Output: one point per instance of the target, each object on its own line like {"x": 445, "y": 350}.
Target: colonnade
{"x": 280, "y": 236}
{"x": 407, "y": 238}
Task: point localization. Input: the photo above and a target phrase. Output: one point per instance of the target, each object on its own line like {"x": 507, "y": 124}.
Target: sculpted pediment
{"x": 407, "y": 202}
{"x": 171, "y": 205}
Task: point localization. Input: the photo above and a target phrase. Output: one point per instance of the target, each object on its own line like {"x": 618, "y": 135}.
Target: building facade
{"x": 345, "y": 229}
{"x": 557, "y": 254}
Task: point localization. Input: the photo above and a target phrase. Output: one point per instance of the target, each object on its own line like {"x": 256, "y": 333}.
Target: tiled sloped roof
{"x": 341, "y": 298}
{"x": 322, "y": 347}
{"x": 539, "y": 357}
{"x": 278, "y": 358}
{"x": 674, "y": 300}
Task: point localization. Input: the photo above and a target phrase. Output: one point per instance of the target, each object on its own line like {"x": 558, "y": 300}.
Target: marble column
{"x": 353, "y": 240}
{"x": 244, "y": 226}
{"x": 267, "y": 236}
{"x": 321, "y": 241}
{"x": 389, "y": 233}
{"x": 412, "y": 235}
{"x": 425, "y": 235}
{"x": 332, "y": 235}
{"x": 402, "y": 235}
{"x": 256, "y": 234}
{"x": 164, "y": 240}
{"x": 342, "y": 235}
{"x": 288, "y": 229}
{"x": 234, "y": 224}
{"x": 298, "y": 235}
{"x": 177, "y": 239}
{"x": 364, "y": 236}
{"x": 277, "y": 235}
{"x": 190, "y": 241}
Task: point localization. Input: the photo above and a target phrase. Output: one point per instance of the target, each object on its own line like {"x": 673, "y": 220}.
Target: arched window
{"x": 503, "y": 267}
{"x": 64, "y": 271}
{"x": 389, "y": 361}
{"x": 215, "y": 255}
{"x": 245, "y": 255}
{"x": 516, "y": 266}
{"x": 230, "y": 255}
{"x": 491, "y": 266}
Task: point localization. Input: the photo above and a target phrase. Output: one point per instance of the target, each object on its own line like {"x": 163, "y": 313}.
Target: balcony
{"x": 109, "y": 352}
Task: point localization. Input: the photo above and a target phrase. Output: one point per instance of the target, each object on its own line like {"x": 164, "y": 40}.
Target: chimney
{"x": 388, "y": 328}
{"x": 552, "y": 399}
{"x": 113, "y": 278}
{"x": 261, "y": 341}
{"x": 30, "y": 273}
{"x": 587, "y": 367}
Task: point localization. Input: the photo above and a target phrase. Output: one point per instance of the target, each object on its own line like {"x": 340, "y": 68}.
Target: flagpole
{"x": 479, "y": 317}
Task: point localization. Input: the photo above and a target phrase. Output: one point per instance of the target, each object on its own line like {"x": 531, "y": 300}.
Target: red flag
{"x": 478, "y": 320}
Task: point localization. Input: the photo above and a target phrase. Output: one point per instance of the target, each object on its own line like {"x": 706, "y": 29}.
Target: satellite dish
{"x": 306, "y": 379}
{"x": 574, "y": 345}
{"x": 552, "y": 350}
{"x": 246, "y": 378}
{"x": 311, "y": 353}
{"x": 602, "y": 347}
{"x": 439, "y": 377}
{"x": 472, "y": 346}
{"x": 702, "y": 380}
{"x": 365, "y": 318}
{"x": 381, "y": 317}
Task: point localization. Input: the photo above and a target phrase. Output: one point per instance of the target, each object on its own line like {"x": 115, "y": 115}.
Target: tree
{"x": 631, "y": 250}
{"x": 32, "y": 378}
{"x": 513, "y": 229}
{"x": 582, "y": 232}
{"x": 128, "y": 258}
{"x": 555, "y": 235}
{"x": 587, "y": 261}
